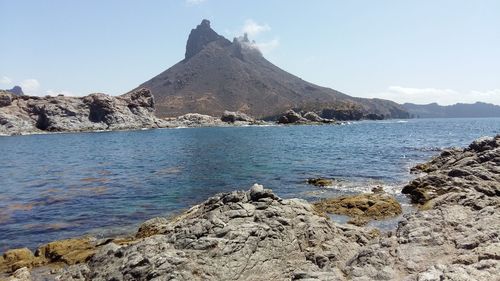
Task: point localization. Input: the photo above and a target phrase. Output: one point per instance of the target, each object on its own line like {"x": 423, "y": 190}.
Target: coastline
{"x": 414, "y": 241}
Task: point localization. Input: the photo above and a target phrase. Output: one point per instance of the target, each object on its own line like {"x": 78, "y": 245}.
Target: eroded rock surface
{"x": 240, "y": 235}
{"x": 361, "y": 207}
{"x": 475, "y": 168}
{"x": 455, "y": 236}
{"x": 232, "y": 117}
{"x": 30, "y": 114}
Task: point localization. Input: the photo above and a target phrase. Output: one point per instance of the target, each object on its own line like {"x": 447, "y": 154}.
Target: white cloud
{"x": 441, "y": 96}
{"x": 194, "y": 2}
{"x": 61, "y": 92}
{"x": 253, "y": 29}
{"x": 5, "y": 80}
{"x": 267, "y": 47}
{"x": 30, "y": 86}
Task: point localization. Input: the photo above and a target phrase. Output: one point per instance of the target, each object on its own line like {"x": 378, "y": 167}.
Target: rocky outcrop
{"x": 56, "y": 254}
{"x": 292, "y": 117}
{"x": 475, "y": 168}
{"x": 252, "y": 235}
{"x": 201, "y": 36}
{"x": 232, "y": 117}
{"x": 362, "y": 207}
{"x": 29, "y": 114}
{"x": 16, "y": 90}
{"x": 455, "y": 234}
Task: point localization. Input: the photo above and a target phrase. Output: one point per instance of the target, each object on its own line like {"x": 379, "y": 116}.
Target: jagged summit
{"x": 217, "y": 75}
{"x": 16, "y": 90}
{"x": 200, "y": 37}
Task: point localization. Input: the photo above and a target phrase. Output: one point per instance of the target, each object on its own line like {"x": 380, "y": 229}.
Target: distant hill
{"x": 433, "y": 110}
{"x": 16, "y": 90}
{"x": 217, "y": 74}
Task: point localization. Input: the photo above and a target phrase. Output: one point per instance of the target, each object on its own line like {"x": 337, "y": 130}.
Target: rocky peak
{"x": 18, "y": 91}
{"x": 200, "y": 37}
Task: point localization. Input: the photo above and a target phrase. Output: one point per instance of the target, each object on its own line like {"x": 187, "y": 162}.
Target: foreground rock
{"x": 455, "y": 236}
{"x": 250, "y": 235}
{"x": 57, "y": 253}
{"x": 362, "y": 207}
{"x": 30, "y": 114}
{"x": 475, "y": 168}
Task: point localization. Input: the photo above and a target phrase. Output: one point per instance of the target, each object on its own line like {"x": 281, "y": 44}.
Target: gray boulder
{"x": 291, "y": 117}
{"x": 313, "y": 117}
{"x": 231, "y": 117}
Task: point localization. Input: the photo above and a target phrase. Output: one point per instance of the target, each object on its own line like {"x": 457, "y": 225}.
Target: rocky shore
{"x": 255, "y": 235}
{"x": 22, "y": 115}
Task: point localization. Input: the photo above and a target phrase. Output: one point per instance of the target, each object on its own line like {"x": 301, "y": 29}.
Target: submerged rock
{"x": 320, "y": 182}
{"x": 361, "y": 207}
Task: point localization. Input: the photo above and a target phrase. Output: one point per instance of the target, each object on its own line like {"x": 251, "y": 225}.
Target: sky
{"x": 419, "y": 51}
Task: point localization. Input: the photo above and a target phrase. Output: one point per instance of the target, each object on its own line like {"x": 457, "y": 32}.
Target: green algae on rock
{"x": 362, "y": 207}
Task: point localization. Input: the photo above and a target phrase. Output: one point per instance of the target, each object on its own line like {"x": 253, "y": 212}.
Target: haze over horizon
{"x": 418, "y": 51}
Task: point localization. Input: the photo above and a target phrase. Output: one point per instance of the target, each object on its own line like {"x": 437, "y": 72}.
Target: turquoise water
{"x": 62, "y": 185}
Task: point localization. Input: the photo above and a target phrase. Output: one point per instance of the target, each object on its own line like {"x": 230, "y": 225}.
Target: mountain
{"x": 433, "y": 110}
{"x": 217, "y": 74}
{"x": 16, "y": 90}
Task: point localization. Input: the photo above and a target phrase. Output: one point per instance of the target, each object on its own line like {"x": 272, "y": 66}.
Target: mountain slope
{"x": 433, "y": 110}
{"x": 218, "y": 75}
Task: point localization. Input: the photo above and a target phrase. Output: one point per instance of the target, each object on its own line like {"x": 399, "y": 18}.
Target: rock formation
{"x": 16, "y": 90}
{"x": 217, "y": 75}
{"x": 362, "y": 207}
{"x": 30, "y": 114}
{"x": 232, "y": 117}
{"x": 240, "y": 235}
{"x": 455, "y": 234}
{"x": 310, "y": 117}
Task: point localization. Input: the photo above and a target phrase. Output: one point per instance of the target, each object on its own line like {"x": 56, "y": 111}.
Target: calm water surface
{"x": 63, "y": 185}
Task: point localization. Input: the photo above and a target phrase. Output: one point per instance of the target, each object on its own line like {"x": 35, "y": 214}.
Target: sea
{"x": 57, "y": 186}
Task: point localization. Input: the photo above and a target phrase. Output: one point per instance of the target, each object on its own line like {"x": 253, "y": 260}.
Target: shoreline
{"x": 414, "y": 259}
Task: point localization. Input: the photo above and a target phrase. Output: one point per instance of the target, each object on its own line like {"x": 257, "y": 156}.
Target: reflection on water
{"x": 58, "y": 186}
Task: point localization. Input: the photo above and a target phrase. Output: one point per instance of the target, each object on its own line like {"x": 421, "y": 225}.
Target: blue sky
{"x": 417, "y": 51}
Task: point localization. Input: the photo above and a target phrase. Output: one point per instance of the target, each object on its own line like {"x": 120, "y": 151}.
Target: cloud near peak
{"x": 253, "y": 28}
